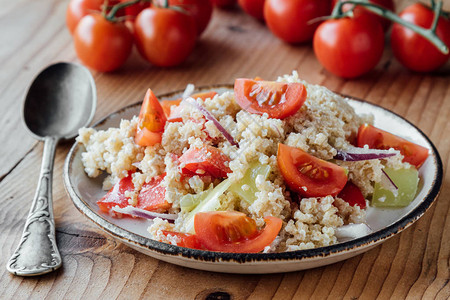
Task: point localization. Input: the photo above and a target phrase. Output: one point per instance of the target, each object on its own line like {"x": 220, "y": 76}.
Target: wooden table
{"x": 413, "y": 264}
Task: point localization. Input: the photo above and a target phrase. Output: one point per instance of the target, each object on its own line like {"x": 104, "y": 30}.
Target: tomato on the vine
{"x": 164, "y": 36}
{"x": 254, "y": 8}
{"x": 200, "y": 10}
{"x": 101, "y": 44}
{"x": 232, "y": 231}
{"x": 361, "y": 11}
{"x": 133, "y": 10}
{"x": 77, "y": 9}
{"x": 349, "y": 47}
{"x": 414, "y": 51}
{"x": 308, "y": 175}
{"x": 278, "y": 99}
{"x": 289, "y": 19}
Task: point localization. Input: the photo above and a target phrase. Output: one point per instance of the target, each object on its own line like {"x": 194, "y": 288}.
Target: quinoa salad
{"x": 245, "y": 170}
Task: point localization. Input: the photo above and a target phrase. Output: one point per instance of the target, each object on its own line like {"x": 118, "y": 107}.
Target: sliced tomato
{"x": 174, "y": 112}
{"x": 151, "y": 121}
{"x": 309, "y": 175}
{"x": 278, "y": 99}
{"x": 186, "y": 240}
{"x": 376, "y": 138}
{"x": 207, "y": 160}
{"x": 152, "y": 196}
{"x": 168, "y": 104}
{"x": 232, "y": 231}
{"x": 116, "y": 195}
{"x": 352, "y": 195}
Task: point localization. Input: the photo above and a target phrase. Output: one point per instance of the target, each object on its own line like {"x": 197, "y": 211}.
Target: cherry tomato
{"x": 164, "y": 36}
{"x": 207, "y": 160}
{"x": 288, "y": 19}
{"x": 279, "y": 100}
{"x": 77, "y": 9}
{"x": 152, "y": 120}
{"x": 309, "y": 175}
{"x": 352, "y": 195}
{"x": 152, "y": 196}
{"x": 133, "y": 10}
{"x": 200, "y": 10}
{"x": 100, "y": 44}
{"x": 232, "y": 231}
{"x": 361, "y": 11}
{"x": 186, "y": 240}
{"x": 349, "y": 47}
{"x": 376, "y": 138}
{"x": 254, "y": 8}
{"x": 223, "y": 3}
{"x": 412, "y": 50}
{"x": 116, "y": 195}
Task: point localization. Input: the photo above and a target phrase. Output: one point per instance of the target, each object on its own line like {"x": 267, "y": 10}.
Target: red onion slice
{"x": 210, "y": 117}
{"x": 141, "y": 213}
{"x": 387, "y": 183}
{"x": 357, "y": 154}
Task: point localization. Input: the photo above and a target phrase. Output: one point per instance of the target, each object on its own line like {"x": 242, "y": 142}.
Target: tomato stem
{"x": 429, "y": 34}
{"x": 111, "y": 16}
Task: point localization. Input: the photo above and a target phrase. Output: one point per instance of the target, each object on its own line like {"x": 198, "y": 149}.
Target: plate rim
{"x": 203, "y": 255}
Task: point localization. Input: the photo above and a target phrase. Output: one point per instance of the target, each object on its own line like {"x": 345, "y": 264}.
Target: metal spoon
{"x": 61, "y": 99}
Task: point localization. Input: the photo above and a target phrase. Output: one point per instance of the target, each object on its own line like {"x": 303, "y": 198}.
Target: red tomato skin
{"x": 223, "y": 3}
{"x": 207, "y": 160}
{"x": 377, "y": 138}
{"x": 200, "y": 10}
{"x": 349, "y": 47}
{"x": 295, "y": 96}
{"x": 165, "y": 37}
{"x": 186, "y": 240}
{"x": 215, "y": 233}
{"x": 152, "y": 196}
{"x": 116, "y": 195}
{"x": 77, "y": 9}
{"x": 254, "y": 8}
{"x": 102, "y": 45}
{"x": 412, "y": 50}
{"x": 133, "y": 10}
{"x": 352, "y": 195}
{"x": 288, "y": 19}
{"x": 361, "y": 11}
{"x": 289, "y": 160}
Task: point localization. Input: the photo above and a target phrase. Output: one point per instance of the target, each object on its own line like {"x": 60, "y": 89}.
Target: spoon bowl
{"x": 61, "y": 99}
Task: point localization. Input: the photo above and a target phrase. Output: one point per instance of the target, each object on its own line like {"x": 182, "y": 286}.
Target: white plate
{"x": 85, "y": 191}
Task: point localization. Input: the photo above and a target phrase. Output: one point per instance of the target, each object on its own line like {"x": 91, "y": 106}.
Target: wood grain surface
{"x": 413, "y": 264}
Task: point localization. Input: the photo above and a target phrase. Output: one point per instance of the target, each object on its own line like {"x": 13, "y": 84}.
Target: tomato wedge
{"x": 352, "y": 195}
{"x": 167, "y": 105}
{"x": 151, "y": 121}
{"x": 279, "y": 100}
{"x": 376, "y": 138}
{"x": 116, "y": 195}
{"x": 232, "y": 231}
{"x": 186, "y": 240}
{"x": 152, "y": 196}
{"x": 174, "y": 114}
{"x": 207, "y": 160}
{"x": 309, "y": 175}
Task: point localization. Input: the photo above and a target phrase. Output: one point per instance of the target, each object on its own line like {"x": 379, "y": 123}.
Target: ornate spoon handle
{"x": 37, "y": 252}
